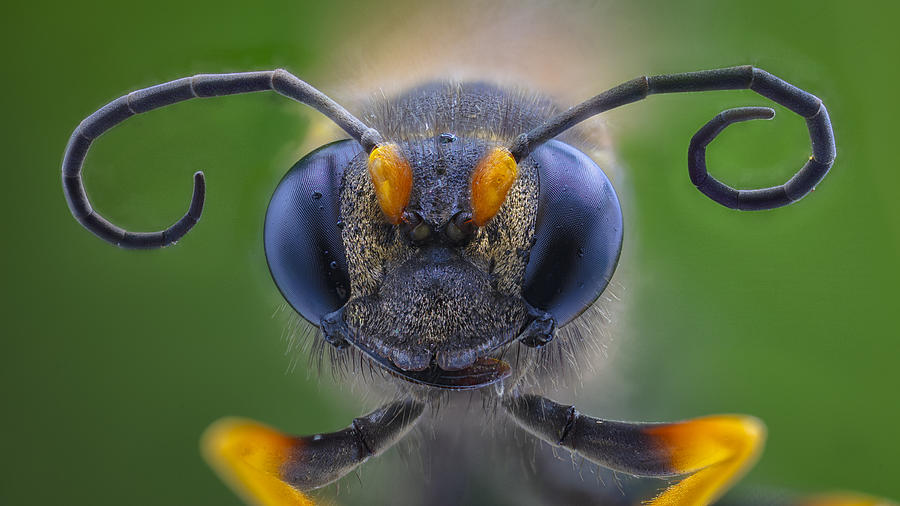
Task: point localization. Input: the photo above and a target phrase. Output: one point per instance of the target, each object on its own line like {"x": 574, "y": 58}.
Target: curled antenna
{"x": 734, "y": 78}
{"x": 154, "y": 97}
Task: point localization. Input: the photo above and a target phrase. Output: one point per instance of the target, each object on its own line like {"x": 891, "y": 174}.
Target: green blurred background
{"x": 113, "y": 362}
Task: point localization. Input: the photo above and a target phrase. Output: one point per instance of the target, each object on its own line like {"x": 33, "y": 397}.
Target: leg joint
{"x": 572, "y": 416}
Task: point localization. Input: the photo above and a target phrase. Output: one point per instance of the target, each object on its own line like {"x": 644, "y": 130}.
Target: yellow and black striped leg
{"x": 268, "y": 468}
{"x": 714, "y": 452}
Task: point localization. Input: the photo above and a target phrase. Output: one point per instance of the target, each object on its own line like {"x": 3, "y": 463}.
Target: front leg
{"x": 714, "y": 451}
{"x": 268, "y": 468}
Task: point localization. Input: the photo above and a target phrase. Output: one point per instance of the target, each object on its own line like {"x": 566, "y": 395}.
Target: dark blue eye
{"x": 303, "y": 232}
{"x": 578, "y": 233}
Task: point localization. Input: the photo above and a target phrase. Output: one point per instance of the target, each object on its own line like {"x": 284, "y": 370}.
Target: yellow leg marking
{"x": 845, "y": 499}
{"x": 716, "y": 451}
{"x": 248, "y": 457}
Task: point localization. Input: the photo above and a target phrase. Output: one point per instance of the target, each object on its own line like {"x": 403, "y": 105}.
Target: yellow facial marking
{"x": 718, "y": 450}
{"x": 248, "y": 457}
{"x": 392, "y": 177}
{"x": 491, "y": 181}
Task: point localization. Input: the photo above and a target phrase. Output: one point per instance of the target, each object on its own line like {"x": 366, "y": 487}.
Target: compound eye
{"x": 392, "y": 177}
{"x": 491, "y": 181}
{"x": 578, "y": 233}
{"x": 303, "y": 241}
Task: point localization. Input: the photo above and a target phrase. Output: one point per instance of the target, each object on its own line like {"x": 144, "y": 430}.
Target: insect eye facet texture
{"x": 303, "y": 232}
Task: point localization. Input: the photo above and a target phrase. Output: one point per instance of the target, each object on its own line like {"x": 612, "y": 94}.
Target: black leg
{"x": 267, "y": 467}
{"x": 713, "y": 451}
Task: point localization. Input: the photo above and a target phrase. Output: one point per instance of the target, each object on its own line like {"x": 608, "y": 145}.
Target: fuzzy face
{"x": 439, "y": 301}
{"x": 436, "y": 300}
